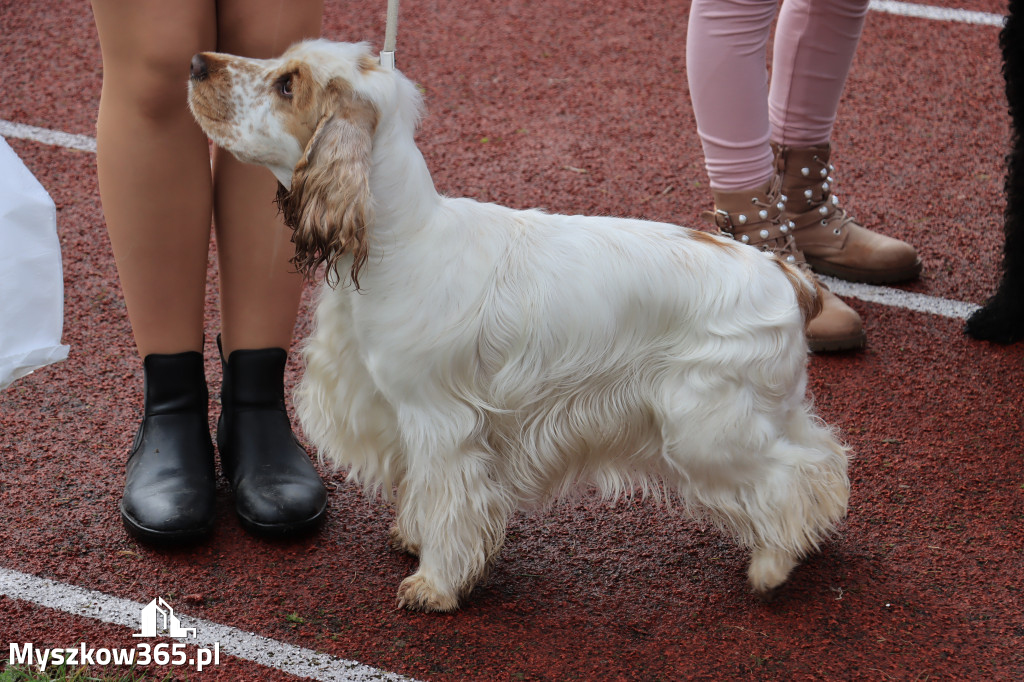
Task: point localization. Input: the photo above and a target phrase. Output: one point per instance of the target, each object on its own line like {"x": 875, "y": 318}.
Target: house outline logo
{"x": 158, "y": 619}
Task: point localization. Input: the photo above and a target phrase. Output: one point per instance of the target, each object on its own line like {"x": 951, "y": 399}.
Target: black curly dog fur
{"x": 1002, "y": 318}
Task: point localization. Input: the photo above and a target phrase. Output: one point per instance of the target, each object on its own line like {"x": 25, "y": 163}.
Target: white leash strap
{"x": 387, "y": 56}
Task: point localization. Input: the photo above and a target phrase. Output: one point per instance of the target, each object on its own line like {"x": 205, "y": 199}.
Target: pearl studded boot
{"x": 833, "y": 243}
{"x": 754, "y": 218}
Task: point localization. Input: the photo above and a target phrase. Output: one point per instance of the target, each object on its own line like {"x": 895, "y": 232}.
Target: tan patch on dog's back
{"x": 711, "y": 239}
{"x": 809, "y": 293}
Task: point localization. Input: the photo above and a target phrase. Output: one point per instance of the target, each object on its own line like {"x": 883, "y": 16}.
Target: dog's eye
{"x": 284, "y": 86}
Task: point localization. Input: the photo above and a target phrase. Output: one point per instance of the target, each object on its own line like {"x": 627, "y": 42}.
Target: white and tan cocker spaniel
{"x": 474, "y": 359}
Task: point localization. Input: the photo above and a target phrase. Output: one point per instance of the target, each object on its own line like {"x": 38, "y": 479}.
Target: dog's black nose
{"x": 199, "y": 68}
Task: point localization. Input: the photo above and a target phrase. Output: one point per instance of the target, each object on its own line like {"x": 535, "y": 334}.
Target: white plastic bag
{"x": 31, "y": 281}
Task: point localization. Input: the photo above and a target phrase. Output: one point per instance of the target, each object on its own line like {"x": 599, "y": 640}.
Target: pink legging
{"x": 737, "y": 112}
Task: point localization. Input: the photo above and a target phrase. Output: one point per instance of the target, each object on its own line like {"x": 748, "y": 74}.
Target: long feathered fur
{"x": 490, "y": 359}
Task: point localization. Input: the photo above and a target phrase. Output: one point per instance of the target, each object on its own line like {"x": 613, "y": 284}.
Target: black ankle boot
{"x": 277, "y": 490}
{"x": 170, "y": 478}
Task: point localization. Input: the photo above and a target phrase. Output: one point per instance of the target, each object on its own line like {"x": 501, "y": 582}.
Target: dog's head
{"x": 311, "y": 117}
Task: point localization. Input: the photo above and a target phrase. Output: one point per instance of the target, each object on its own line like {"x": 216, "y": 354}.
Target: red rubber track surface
{"x": 581, "y": 107}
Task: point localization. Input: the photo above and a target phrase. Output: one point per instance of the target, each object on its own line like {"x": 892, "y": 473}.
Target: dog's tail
{"x": 809, "y": 293}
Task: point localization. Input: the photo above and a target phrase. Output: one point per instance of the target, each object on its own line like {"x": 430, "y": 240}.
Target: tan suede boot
{"x": 755, "y": 218}
{"x": 832, "y": 242}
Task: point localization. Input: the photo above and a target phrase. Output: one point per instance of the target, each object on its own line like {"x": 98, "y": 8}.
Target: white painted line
{"x": 267, "y": 652}
{"x": 46, "y": 136}
{"x": 864, "y": 292}
{"x": 898, "y": 298}
{"x": 961, "y": 16}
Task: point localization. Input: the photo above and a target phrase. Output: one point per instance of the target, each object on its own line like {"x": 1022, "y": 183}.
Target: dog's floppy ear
{"x": 329, "y": 206}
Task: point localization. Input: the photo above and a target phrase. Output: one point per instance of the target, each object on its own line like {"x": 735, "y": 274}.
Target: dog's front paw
{"x": 416, "y": 593}
{"x": 400, "y": 543}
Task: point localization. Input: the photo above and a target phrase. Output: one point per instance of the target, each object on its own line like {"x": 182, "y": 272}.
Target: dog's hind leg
{"x": 780, "y": 499}
{"x": 797, "y": 504}
{"x": 769, "y": 568}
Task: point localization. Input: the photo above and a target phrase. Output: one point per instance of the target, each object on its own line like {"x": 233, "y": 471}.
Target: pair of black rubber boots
{"x": 170, "y": 476}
